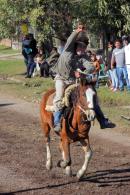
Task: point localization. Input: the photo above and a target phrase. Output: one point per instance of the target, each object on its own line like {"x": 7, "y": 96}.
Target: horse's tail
{"x": 46, "y": 117}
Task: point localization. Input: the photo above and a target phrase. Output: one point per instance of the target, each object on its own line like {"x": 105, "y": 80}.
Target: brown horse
{"x": 75, "y": 126}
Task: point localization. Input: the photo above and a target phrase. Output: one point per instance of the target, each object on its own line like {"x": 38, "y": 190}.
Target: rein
{"x": 76, "y": 103}
{"x": 84, "y": 111}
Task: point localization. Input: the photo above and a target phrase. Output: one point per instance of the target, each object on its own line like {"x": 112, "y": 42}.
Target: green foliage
{"x": 53, "y": 18}
{"x": 57, "y": 17}
{"x": 12, "y": 12}
{"x": 115, "y": 14}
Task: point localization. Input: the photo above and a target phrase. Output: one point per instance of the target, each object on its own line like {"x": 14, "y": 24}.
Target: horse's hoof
{"x": 79, "y": 175}
{"x": 68, "y": 171}
{"x": 48, "y": 166}
{"x": 62, "y": 164}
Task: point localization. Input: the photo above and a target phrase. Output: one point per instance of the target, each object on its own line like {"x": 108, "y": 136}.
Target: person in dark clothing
{"x": 52, "y": 61}
{"x": 33, "y": 44}
{"x": 108, "y": 64}
{"x": 25, "y": 48}
{"x": 32, "y": 51}
{"x": 44, "y": 69}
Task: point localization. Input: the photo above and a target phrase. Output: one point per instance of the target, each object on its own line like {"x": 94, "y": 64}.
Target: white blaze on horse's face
{"x": 90, "y": 93}
{"x": 90, "y": 100}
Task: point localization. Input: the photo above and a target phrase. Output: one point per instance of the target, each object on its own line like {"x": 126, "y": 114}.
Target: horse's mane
{"x": 74, "y": 96}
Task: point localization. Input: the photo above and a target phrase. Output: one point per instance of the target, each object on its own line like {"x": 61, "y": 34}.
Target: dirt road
{"x": 22, "y": 157}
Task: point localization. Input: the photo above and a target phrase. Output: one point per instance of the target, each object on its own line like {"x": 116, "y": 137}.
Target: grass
{"x": 7, "y": 50}
{"x": 16, "y": 67}
{"x": 12, "y": 67}
{"x": 108, "y": 98}
{"x": 30, "y": 89}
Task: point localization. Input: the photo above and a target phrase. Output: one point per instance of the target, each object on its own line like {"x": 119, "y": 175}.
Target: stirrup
{"x": 57, "y": 128}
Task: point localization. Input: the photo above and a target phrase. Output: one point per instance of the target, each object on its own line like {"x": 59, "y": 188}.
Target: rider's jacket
{"x": 68, "y": 62}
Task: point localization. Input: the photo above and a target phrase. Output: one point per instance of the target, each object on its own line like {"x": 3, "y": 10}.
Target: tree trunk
{"x": 105, "y": 42}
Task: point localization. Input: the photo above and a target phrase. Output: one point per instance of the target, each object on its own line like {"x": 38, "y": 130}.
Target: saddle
{"x": 65, "y": 101}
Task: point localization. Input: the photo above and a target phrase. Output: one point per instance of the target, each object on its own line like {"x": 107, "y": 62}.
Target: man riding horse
{"x": 72, "y": 58}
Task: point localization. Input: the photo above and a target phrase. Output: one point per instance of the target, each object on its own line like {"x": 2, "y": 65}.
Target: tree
{"x": 53, "y": 18}
{"x": 106, "y": 18}
{"x": 57, "y": 17}
{"x": 116, "y": 15}
{"x": 12, "y": 12}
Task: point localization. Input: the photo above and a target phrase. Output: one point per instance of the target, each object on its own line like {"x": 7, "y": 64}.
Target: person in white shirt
{"x": 127, "y": 55}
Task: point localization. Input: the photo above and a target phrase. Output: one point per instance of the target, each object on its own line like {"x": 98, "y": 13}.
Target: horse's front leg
{"x": 88, "y": 155}
{"x": 48, "y": 150}
{"x": 66, "y": 162}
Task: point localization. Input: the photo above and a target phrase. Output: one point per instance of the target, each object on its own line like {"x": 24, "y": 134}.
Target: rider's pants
{"x": 60, "y": 85}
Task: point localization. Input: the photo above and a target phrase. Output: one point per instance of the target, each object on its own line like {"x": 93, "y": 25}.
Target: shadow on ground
{"x": 22, "y": 74}
{"x": 104, "y": 178}
{"x": 8, "y": 104}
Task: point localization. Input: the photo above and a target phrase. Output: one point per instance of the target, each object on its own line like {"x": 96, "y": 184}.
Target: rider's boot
{"x": 103, "y": 121}
{"x": 57, "y": 121}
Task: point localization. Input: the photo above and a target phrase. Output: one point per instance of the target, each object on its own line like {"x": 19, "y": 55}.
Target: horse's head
{"x": 87, "y": 100}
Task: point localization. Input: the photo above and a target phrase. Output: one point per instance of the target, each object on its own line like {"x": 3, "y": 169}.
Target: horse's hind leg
{"x": 46, "y": 129}
{"x": 88, "y": 155}
{"x": 66, "y": 162}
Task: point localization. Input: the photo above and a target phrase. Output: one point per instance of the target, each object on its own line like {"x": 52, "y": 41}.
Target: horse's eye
{"x": 84, "y": 95}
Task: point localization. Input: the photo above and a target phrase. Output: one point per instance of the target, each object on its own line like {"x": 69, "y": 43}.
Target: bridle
{"x": 84, "y": 110}
{"x": 88, "y": 112}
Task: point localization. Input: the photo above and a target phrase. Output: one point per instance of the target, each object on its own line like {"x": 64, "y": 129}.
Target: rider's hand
{"x": 80, "y": 28}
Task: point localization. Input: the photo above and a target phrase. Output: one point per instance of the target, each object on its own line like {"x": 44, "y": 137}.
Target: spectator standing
{"x": 108, "y": 65}
{"x": 127, "y": 56}
{"x": 32, "y": 51}
{"x": 114, "y": 76}
{"x": 25, "y": 48}
{"x": 118, "y": 57}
